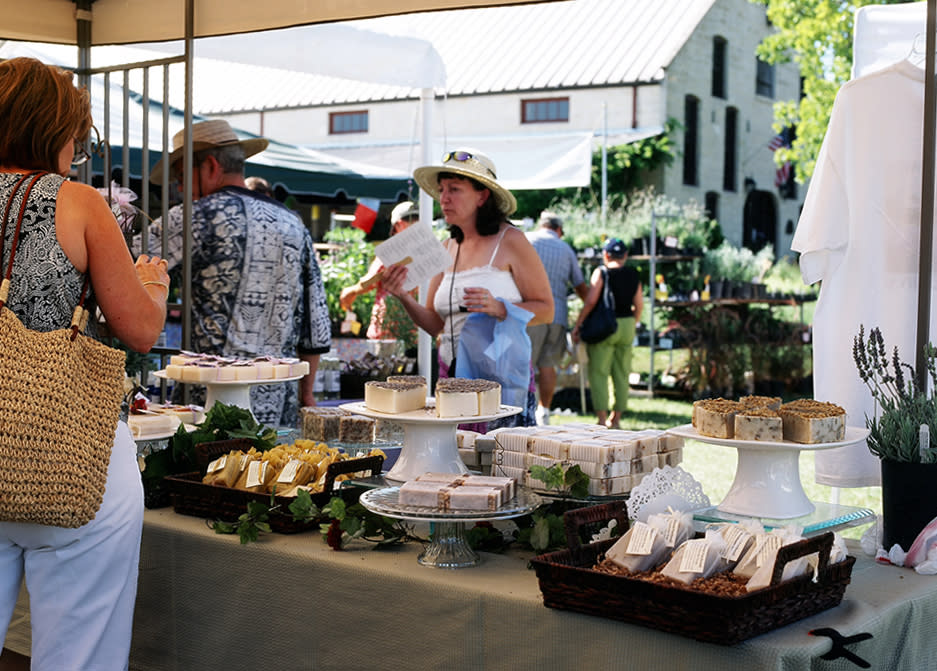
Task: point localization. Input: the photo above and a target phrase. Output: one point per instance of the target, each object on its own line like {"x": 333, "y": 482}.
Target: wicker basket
{"x": 190, "y": 496}
{"x": 568, "y": 582}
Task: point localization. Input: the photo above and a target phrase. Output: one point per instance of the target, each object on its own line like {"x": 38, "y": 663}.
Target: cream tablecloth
{"x": 288, "y": 602}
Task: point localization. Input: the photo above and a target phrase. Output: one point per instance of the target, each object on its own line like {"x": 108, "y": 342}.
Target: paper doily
{"x": 667, "y": 487}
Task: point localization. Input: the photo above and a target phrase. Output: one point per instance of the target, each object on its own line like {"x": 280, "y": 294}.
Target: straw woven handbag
{"x": 60, "y": 396}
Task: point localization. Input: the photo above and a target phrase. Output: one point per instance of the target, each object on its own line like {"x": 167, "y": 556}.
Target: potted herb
{"x": 898, "y": 437}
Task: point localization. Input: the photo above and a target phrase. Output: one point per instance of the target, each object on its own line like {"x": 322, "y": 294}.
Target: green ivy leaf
{"x": 540, "y": 535}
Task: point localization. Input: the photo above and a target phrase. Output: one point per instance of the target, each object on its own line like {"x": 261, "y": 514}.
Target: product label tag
{"x": 736, "y": 540}
{"x": 288, "y": 474}
{"x": 694, "y": 555}
{"x": 243, "y": 464}
{"x": 673, "y": 528}
{"x": 217, "y": 464}
{"x": 642, "y": 539}
{"x": 255, "y": 471}
{"x": 768, "y": 550}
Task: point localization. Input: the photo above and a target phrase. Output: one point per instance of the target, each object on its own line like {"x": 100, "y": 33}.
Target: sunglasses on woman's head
{"x": 462, "y": 156}
{"x": 457, "y": 156}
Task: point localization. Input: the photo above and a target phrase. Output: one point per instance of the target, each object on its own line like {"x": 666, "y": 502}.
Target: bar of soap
{"x": 716, "y": 417}
{"x": 758, "y": 423}
{"x": 394, "y": 397}
{"x": 809, "y": 421}
{"x": 462, "y": 397}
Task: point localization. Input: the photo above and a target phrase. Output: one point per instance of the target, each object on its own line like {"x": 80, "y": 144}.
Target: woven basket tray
{"x": 568, "y": 582}
{"x": 190, "y": 496}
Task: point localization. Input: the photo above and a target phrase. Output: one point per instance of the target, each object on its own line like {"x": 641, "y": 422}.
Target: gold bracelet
{"x": 158, "y": 283}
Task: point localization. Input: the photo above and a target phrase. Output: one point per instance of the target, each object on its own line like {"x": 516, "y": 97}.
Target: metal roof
{"x": 572, "y": 44}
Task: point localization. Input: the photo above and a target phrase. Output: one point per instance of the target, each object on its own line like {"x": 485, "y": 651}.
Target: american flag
{"x": 783, "y": 172}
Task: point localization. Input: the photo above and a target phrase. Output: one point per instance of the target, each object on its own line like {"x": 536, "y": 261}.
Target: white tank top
{"x": 499, "y": 282}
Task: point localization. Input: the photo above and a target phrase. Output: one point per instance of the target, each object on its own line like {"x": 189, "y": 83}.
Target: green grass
{"x": 713, "y": 466}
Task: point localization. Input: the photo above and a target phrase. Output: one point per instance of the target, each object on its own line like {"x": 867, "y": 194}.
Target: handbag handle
{"x": 80, "y": 314}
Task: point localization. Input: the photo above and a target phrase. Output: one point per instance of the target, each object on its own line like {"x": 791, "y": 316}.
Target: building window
{"x": 729, "y": 177}
{"x": 764, "y": 79}
{"x": 711, "y": 203}
{"x": 719, "y": 67}
{"x": 348, "y": 122}
{"x": 545, "y": 110}
{"x": 690, "y": 140}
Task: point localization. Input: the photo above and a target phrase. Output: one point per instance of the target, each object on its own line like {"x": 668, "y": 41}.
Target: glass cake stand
{"x": 235, "y": 392}
{"x": 448, "y": 548}
{"x": 767, "y": 479}
{"x": 429, "y": 442}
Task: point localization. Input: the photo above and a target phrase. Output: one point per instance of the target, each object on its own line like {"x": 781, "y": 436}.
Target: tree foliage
{"x": 817, "y": 35}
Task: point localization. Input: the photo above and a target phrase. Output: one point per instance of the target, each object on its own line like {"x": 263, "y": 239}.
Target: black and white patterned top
{"x": 45, "y": 286}
{"x": 256, "y": 287}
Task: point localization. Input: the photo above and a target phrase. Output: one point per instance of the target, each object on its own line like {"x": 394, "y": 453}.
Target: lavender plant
{"x": 901, "y": 405}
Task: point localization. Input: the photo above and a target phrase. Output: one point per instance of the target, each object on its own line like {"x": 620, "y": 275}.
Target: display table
{"x": 206, "y": 602}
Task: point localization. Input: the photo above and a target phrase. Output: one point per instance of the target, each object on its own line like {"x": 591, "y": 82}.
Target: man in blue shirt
{"x": 548, "y": 341}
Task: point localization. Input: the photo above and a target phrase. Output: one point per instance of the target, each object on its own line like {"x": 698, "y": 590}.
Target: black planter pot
{"x": 909, "y": 501}
{"x": 717, "y": 289}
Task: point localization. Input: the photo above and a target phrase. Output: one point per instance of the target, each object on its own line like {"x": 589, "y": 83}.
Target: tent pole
{"x": 927, "y": 201}
{"x": 187, "y": 182}
{"x": 424, "y": 342}
{"x": 604, "y": 164}
{"x": 83, "y": 40}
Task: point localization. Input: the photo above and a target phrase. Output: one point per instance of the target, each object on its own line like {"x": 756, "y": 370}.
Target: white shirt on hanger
{"x": 859, "y": 234}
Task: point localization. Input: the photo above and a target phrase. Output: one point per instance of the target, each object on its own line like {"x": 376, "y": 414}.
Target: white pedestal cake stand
{"x": 767, "y": 478}
{"x": 235, "y": 392}
{"x": 448, "y": 548}
{"x": 429, "y": 443}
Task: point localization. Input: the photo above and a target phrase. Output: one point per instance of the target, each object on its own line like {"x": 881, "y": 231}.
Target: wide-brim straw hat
{"x": 207, "y": 135}
{"x": 469, "y": 163}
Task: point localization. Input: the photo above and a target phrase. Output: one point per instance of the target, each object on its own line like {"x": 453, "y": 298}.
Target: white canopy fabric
{"x": 523, "y": 161}
{"x": 337, "y": 51}
{"x": 133, "y": 21}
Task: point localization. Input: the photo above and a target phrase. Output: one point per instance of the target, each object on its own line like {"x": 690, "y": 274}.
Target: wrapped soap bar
{"x": 698, "y": 558}
{"x": 641, "y": 548}
{"x": 769, "y": 552}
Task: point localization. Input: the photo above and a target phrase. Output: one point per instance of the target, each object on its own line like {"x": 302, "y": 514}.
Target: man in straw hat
{"x": 256, "y": 286}
{"x": 494, "y": 271}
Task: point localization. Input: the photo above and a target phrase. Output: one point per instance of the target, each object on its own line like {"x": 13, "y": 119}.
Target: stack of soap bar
{"x": 615, "y": 461}
{"x": 206, "y": 368}
{"x": 450, "y": 491}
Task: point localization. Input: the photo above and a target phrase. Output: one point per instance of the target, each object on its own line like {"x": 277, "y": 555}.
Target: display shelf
{"x": 449, "y": 548}
{"x": 767, "y": 478}
{"x": 429, "y": 443}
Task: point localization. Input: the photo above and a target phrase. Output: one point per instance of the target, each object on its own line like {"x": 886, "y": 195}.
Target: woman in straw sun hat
{"x": 494, "y": 267}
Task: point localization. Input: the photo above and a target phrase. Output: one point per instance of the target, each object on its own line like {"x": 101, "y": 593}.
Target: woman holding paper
{"x": 494, "y": 267}
{"x": 380, "y": 327}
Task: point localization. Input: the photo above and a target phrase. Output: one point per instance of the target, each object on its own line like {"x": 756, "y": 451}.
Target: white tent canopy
{"x": 543, "y": 161}
{"x": 134, "y": 21}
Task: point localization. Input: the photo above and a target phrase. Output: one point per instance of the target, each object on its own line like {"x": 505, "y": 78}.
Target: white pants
{"x": 82, "y": 582}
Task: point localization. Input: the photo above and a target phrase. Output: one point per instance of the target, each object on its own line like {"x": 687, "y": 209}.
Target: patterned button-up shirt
{"x": 256, "y": 287}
